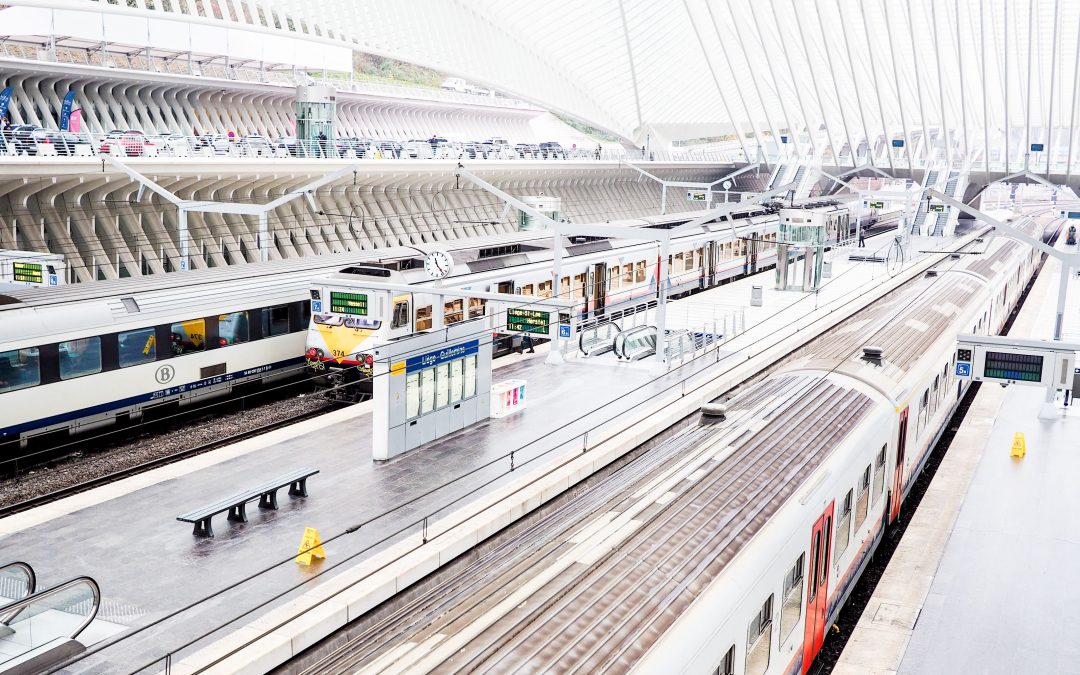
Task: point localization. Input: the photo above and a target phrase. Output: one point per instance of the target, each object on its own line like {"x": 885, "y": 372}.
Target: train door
{"x": 710, "y": 262}
{"x": 898, "y": 476}
{"x": 599, "y": 288}
{"x": 754, "y": 245}
{"x": 817, "y": 593}
{"x": 505, "y": 287}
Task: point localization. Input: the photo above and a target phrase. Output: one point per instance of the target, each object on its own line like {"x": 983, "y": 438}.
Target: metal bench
{"x": 236, "y": 505}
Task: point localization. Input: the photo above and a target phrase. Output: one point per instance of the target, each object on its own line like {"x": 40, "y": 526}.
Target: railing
{"x": 63, "y": 611}
{"x": 51, "y": 143}
{"x": 17, "y": 581}
{"x": 636, "y": 343}
{"x": 598, "y": 338}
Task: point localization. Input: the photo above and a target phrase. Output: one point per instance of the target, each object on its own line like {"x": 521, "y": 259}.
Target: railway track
{"x": 152, "y": 464}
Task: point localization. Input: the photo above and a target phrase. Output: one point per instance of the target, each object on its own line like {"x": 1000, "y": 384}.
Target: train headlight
{"x": 368, "y": 360}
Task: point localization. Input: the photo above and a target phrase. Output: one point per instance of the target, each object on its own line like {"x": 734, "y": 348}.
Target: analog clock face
{"x": 438, "y": 264}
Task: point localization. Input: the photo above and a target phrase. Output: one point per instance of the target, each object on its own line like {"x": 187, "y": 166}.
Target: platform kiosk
{"x": 800, "y": 233}
{"x": 425, "y": 384}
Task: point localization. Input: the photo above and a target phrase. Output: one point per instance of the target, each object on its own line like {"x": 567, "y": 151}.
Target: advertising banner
{"x": 65, "y": 110}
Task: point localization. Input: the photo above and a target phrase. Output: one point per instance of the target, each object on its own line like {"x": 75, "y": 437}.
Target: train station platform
{"x": 172, "y": 591}
{"x": 982, "y": 581}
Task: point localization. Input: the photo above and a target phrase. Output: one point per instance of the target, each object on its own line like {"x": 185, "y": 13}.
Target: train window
{"x": 727, "y": 665}
{"x": 137, "y": 346}
{"x": 862, "y": 503}
{"x": 791, "y": 610}
{"x": 470, "y": 376}
{"x": 423, "y": 318}
{"x": 579, "y": 286}
{"x": 843, "y": 526}
{"x": 80, "y": 357}
{"x": 678, "y": 265}
{"x": 699, "y": 258}
{"x": 925, "y": 398}
{"x": 188, "y": 336}
{"x": 401, "y": 315}
{"x": 476, "y": 307}
{"x": 688, "y": 262}
{"x": 233, "y": 329}
{"x": 759, "y": 640}
{"x": 628, "y": 275}
{"x": 427, "y": 390}
{"x": 19, "y": 369}
{"x": 453, "y": 311}
{"x": 639, "y": 272}
{"x": 564, "y": 288}
{"x": 457, "y": 374}
{"x": 275, "y": 320}
{"x": 527, "y": 289}
{"x": 879, "y": 473}
{"x": 544, "y": 289}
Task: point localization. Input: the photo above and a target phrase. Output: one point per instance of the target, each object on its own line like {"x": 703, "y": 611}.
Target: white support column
{"x": 793, "y": 131}
{"x": 661, "y": 303}
{"x": 264, "y": 236}
{"x": 663, "y": 199}
{"x": 941, "y": 89}
{"x": 836, "y": 87}
{"x": 1027, "y": 113}
{"x": 1049, "y": 148}
{"x": 927, "y": 148}
{"x": 877, "y": 87}
{"x": 798, "y": 92}
{"x": 963, "y": 89}
{"x": 555, "y": 357}
{"x": 985, "y": 87}
{"x": 1063, "y": 288}
{"x": 185, "y": 241}
{"x": 899, "y": 96}
{"x": 1072, "y": 114}
{"x": 1005, "y": 51}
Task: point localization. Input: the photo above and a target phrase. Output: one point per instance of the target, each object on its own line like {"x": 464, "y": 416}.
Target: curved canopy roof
{"x": 824, "y": 73}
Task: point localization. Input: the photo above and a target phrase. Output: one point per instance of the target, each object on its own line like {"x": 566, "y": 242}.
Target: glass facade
{"x": 316, "y": 109}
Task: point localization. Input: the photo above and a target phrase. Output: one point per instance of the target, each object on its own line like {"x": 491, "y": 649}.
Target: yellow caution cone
{"x": 1019, "y": 446}
{"x": 310, "y": 547}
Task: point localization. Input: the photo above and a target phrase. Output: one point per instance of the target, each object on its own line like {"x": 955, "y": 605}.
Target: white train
{"x": 85, "y": 356}
{"x": 734, "y": 545}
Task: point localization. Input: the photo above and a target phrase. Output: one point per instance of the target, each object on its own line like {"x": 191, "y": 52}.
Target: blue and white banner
{"x": 65, "y": 110}
{"x": 5, "y": 96}
{"x": 444, "y": 355}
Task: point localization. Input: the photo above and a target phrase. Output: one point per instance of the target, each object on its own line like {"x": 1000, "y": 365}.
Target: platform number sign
{"x": 316, "y": 306}
{"x": 564, "y": 331}
{"x": 963, "y": 362}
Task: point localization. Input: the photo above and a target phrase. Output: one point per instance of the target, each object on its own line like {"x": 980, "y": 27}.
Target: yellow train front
{"x": 347, "y": 325}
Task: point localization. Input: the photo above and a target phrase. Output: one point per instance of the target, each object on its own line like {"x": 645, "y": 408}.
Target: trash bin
{"x": 826, "y": 269}
{"x": 756, "y": 296}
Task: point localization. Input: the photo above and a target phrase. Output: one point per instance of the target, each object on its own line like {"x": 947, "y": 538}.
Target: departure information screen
{"x": 348, "y": 303}
{"x": 27, "y": 272}
{"x": 1019, "y": 367}
{"x": 527, "y": 321}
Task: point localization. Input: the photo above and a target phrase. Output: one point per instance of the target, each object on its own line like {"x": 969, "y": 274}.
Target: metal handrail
{"x": 15, "y": 607}
{"x": 31, "y": 576}
{"x": 626, "y": 336}
{"x": 591, "y": 342}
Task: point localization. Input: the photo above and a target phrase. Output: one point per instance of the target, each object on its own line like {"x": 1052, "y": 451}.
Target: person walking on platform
{"x": 598, "y": 152}
{"x": 527, "y": 343}
{"x": 862, "y": 238}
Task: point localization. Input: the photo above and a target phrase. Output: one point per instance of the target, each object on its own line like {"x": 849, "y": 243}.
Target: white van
{"x": 417, "y": 149}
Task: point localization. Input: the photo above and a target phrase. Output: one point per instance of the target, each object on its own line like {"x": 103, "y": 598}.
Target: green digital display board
{"x": 527, "y": 321}
{"x": 937, "y": 208}
{"x": 877, "y": 205}
{"x": 1016, "y": 367}
{"x": 28, "y": 272}
{"x": 348, "y": 303}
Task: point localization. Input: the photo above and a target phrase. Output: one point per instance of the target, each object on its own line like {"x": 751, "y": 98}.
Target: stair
{"x": 920, "y": 215}
{"x": 778, "y": 176}
{"x": 939, "y": 224}
{"x": 798, "y": 181}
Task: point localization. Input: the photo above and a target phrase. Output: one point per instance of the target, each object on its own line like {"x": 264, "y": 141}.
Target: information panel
{"x": 1018, "y": 367}
{"x": 26, "y": 272}
{"x": 937, "y": 208}
{"x": 348, "y": 303}
{"x": 877, "y": 205}
{"x": 527, "y": 321}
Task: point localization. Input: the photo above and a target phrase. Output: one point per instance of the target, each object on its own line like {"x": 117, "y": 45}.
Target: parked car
{"x": 418, "y": 149}
{"x": 288, "y": 143}
{"x": 173, "y": 142}
{"x": 218, "y": 143}
{"x": 357, "y": 145}
{"x": 390, "y": 149}
{"x": 552, "y": 150}
{"x": 498, "y": 142}
{"x": 132, "y": 141}
{"x": 65, "y": 142}
{"x": 21, "y": 136}
{"x": 527, "y": 150}
{"x": 254, "y": 144}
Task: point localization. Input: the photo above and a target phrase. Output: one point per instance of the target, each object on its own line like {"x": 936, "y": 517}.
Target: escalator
{"x": 635, "y": 344}
{"x": 39, "y": 629}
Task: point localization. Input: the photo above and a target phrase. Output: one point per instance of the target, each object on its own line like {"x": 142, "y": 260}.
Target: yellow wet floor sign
{"x": 310, "y": 547}
{"x": 1019, "y": 446}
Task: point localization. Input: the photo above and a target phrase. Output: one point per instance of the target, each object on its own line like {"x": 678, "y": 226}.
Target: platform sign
{"x": 527, "y": 321}
{"x": 316, "y": 306}
{"x": 992, "y": 358}
{"x": 898, "y": 143}
{"x": 937, "y": 208}
{"x": 697, "y": 195}
{"x": 355, "y": 304}
{"x": 877, "y": 205}
{"x": 1074, "y": 215}
{"x": 27, "y": 272}
{"x": 783, "y": 139}
{"x": 1037, "y": 147}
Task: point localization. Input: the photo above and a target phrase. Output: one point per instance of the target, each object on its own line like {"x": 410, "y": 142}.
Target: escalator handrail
{"x": 620, "y": 347}
{"x": 31, "y": 576}
{"x": 15, "y": 607}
